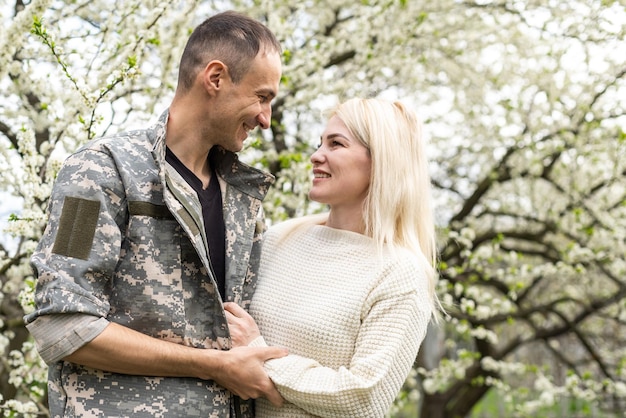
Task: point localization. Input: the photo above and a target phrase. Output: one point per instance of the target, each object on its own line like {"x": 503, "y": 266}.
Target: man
{"x": 149, "y": 233}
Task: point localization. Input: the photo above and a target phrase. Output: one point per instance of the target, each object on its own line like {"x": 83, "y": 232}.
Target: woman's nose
{"x": 317, "y": 156}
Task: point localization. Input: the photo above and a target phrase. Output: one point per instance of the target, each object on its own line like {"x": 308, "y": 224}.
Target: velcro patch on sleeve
{"x": 77, "y": 227}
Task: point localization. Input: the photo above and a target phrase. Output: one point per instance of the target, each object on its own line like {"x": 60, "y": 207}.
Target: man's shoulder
{"x": 136, "y": 139}
{"x": 120, "y": 140}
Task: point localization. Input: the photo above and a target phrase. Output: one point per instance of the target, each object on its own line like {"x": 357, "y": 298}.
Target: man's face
{"x": 243, "y": 106}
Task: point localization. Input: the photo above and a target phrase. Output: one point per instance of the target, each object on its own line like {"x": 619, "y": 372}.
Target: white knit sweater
{"x": 352, "y": 322}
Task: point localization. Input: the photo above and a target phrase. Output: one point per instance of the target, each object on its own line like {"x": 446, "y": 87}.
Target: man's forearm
{"x": 122, "y": 350}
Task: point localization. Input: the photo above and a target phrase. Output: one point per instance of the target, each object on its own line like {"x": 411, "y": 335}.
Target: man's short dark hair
{"x": 231, "y": 37}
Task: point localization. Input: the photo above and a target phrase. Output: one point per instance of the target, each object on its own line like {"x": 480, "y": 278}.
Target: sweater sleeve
{"x": 394, "y": 324}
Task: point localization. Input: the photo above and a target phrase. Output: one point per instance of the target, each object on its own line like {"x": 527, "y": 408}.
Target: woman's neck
{"x": 351, "y": 220}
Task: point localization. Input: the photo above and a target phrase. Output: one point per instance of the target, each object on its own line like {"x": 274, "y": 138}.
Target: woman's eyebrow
{"x": 336, "y": 135}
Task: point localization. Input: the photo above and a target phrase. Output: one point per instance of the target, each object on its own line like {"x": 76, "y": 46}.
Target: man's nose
{"x": 265, "y": 117}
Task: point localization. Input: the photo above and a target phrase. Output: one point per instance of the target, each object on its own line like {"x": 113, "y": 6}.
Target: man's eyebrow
{"x": 267, "y": 92}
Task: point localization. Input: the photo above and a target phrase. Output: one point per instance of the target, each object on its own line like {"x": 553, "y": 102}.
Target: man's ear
{"x": 214, "y": 75}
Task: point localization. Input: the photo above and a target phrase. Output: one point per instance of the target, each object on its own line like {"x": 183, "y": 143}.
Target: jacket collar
{"x": 241, "y": 176}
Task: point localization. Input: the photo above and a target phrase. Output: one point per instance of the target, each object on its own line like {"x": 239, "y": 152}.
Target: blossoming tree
{"x": 523, "y": 103}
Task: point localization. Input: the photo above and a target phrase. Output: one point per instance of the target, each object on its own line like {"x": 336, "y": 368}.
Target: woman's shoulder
{"x": 404, "y": 266}
{"x": 285, "y": 228}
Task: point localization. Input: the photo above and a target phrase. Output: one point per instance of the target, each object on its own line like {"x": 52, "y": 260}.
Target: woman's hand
{"x": 242, "y": 327}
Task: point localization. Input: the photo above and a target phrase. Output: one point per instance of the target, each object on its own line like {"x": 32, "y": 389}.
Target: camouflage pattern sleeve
{"x": 78, "y": 253}
{"x": 59, "y": 335}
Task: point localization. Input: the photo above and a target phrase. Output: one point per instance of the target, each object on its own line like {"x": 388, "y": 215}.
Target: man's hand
{"x": 242, "y": 327}
{"x": 242, "y": 372}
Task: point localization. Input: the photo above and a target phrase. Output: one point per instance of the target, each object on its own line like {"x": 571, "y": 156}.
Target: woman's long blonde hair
{"x": 398, "y": 208}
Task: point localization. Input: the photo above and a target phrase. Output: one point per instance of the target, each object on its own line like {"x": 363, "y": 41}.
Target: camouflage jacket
{"x": 125, "y": 243}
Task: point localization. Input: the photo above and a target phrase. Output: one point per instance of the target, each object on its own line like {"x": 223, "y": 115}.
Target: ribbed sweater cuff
{"x": 258, "y": 342}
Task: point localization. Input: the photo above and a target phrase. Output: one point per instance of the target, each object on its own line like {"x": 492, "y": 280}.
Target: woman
{"x": 350, "y": 292}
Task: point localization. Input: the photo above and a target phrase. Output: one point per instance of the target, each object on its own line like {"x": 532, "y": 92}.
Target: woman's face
{"x": 341, "y": 168}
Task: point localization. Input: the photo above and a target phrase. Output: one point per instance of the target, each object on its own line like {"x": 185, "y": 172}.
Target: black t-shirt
{"x": 213, "y": 214}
